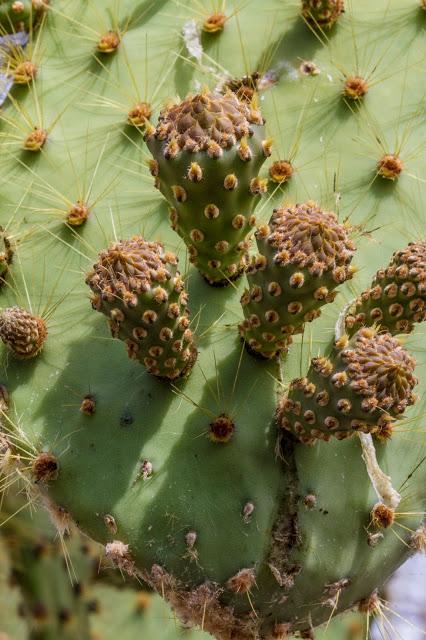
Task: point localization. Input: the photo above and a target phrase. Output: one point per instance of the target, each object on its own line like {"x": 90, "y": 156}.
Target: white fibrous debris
{"x": 192, "y": 40}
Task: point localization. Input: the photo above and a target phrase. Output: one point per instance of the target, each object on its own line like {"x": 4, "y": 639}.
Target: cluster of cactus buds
{"x": 137, "y": 286}
{"x": 304, "y": 254}
{"x": 366, "y": 383}
{"x": 396, "y": 299}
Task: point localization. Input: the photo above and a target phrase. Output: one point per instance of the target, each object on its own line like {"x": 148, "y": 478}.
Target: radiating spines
{"x": 136, "y": 284}
{"x": 303, "y": 255}
{"x": 208, "y": 150}
{"x": 22, "y": 332}
{"x": 367, "y": 382}
{"x": 396, "y": 299}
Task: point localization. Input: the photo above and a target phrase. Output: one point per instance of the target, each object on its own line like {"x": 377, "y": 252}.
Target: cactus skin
{"x": 145, "y": 456}
{"x": 208, "y": 151}
{"x": 323, "y": 13}
{"x": 136, "y": 285}
{"x": 366, "y": 383}
{"x": 396, "y": 299}
{"x": 304, "y": 254}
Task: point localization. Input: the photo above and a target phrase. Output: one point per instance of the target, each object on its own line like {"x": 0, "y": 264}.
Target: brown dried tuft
{"x": 382, "y": 516}
{"x": 24, "y": 72}
{"x": 78, "y": 214}
{"x": 242, "y": 582}
{"x": 370, "y": 604}
{"x": 418, "y": 539}
{"x": 120, "y": 555}
{"x": 215, "y": 22}
{"x": 45, "y": 468}
{"x": 109, "y": 42}
{"x": 139, "y": 114}
{"x": 390, "y": 166}
{"x": 88, "y": 405}
{"x": 281, "y": 171}
{"x": 36, "y": 140}
{"x": 355, "y": 87}
{"x": 221, "y": 429}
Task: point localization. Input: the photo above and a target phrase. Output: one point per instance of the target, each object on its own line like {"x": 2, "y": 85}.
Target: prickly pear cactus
{"x": 149, "y": 125}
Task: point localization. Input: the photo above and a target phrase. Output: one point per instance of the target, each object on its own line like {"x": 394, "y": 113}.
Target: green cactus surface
{"x": 172, "y": 458}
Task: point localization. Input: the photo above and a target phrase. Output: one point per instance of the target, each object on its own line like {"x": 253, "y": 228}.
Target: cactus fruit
{"x": 366, "y": 383}
{"x": 136, "y": 285}
{"x": 178, "y": 477}
{"x": 207, "y": 153}
{"x": 323, "y": 13}
{"x": 396, "y": 299}
{"x": 304, "y": 254}
{"x": 22, "y": 332}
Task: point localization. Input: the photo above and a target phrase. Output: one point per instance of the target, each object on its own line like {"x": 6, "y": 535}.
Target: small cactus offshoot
{"x": 366, "y": 383}
{"x": 208, "y": 150}
{"x": 304, "y": 254}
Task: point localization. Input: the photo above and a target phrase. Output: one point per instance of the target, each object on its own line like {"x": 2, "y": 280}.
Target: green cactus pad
{"x": 180, "y": 481}
{"x": 304, "y": 254}
{"x": 208, "y": 151}
{"x": 396, "y": 299}
{"x": 365, "y": 384}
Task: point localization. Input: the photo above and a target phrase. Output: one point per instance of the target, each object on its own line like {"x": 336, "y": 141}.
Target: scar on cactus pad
{"x": 208, "y": 150}
{"x": 137, "y": 286}
{"x": 304, "y": 254}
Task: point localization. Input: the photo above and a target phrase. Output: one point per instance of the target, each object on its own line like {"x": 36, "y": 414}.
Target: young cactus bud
{"x": 137, "y": 286}
{"x": 208, "y": 151}
{"x": 367, "y": 383}
{"x": 322, "y": 13}
{"x": 304, "y": 254}
{"x": 396, "y": 299}
{"x": 22, "y": 332}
